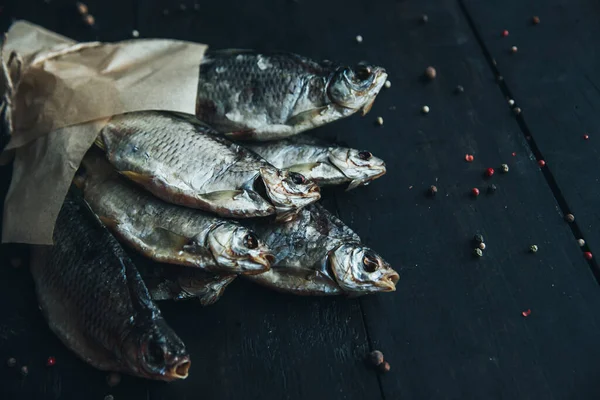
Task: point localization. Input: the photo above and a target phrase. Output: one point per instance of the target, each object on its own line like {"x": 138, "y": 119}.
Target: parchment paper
{"x": 66, "y": 93}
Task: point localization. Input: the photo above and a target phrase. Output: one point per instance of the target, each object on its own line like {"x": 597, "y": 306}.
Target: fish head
{"x": 357, "y": 268}
{"x": 356, "y": 87}
{"x": 158, "y": 353}
{"x": 359, "y": 165}
{"x": 289, "y": 190}
{"x": 238, "y": 249}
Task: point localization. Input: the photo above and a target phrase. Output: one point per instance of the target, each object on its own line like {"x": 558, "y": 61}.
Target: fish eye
{"x": 155, "y": 353}
{"x": 297, "y": 178}
{"x": 365, "y": 155}
{"x": 251, "y": 241}
{"x": 363, "y": 72}
{"x": 370, "y": 263}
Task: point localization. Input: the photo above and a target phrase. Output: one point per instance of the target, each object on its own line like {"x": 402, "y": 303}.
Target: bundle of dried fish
{"x": 262, "y": 96}
{"x": 319, "y": 162}
{"x": 166, "y": 232}
{"x": 95, "y": 301}
{"x": 189, "y": 164}
{"x": 316, "y": 254}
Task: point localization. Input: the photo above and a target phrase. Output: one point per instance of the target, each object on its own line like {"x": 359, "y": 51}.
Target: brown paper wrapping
{"x": 66, "y": 93}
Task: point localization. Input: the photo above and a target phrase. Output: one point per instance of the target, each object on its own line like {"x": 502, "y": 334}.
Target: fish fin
{"x": 136, "y": 177}
{"x": 286, "y": 216}
{"x": 304, "y": 116}
{"x": 100, "y": 143}
{"x": 354, "y": 184}
{"x": 243, "y": 134}
{"x": 165, "y": 238}
{"x": 237, "y": 203}
{"x": 205, "y": 109}
{"x": 108, "y": 222}
{"x": 367, "y": 107}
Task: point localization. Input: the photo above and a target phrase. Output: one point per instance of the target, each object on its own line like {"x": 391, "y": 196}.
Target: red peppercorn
{"x": 469, "y": 157}
{"x": 50, "y": 362}
{"x": 586, "y": 137}
{"x": 541, "y": 163}
{"x": 588, "y": 255}
{"x": 514, "y": 154}
{"x": 526, "y": 313}
{"x": 489, "y": 171}
{"x": 475, "y": 192}
{"x": 505, "y": 33}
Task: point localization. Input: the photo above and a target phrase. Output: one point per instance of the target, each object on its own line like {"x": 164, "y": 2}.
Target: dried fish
{"x": 250, "y": 95}
{"x": 191, "y": 165}
{"x": 166, "y": 232}
{"x": 316, "y": 254}
{"x": 322, "y": 163}
{"x": 95, "y": 301}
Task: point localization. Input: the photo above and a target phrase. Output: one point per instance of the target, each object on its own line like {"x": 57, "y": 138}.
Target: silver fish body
{"x": 169, "y": 282}
{"x": 324, "y": 164}
{"x": 317, "y": 254}
{"x": 191, "y": 165}
{"x": 166, "y": 232}
{"x": 251, "y": 95}
{"x": 95, "y": 300}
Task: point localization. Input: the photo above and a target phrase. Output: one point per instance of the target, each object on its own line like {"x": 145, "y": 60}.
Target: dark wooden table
{"x": 455, "y": 328}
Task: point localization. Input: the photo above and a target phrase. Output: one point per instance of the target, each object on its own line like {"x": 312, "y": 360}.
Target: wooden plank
{"x": 454, "y": 329}
{"x": 552, "y": 78}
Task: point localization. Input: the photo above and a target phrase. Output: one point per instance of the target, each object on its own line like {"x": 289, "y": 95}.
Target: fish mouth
{"x": 388, "y": 282}
{"x": 265, "y": 260}
{"x": 374, "y": 90}
{"x": 180, "y": 370}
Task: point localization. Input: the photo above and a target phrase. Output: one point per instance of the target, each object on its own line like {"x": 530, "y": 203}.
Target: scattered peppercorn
{"x": 51, "y": 361}
{"x": 113, "y": 379}
{"x": 384, "y": 367}
{"x": 359, "y": 39}
{"x": 492, "y": 188}
{"x": 478, "y": 252}
{"x": 459, "y": 89}
{"x": 504, "y": 168}
{"x": 379, "y": 121}
{"x": 482, "y": 246}
{"x": 499, "y": 78}
{"x": 388, "y": 84}
{"x": 586, "y": 137}
{"x": 376, "y": 357}
{"x": 526, "y": 313}
{"x": 533, "y": 248}
{"x": 475, "y": 192}
{"x": 469, "y": 157}
{"x": 82, "y": 8}
{"x": 489, "y": 172}
{"x": 24, "y": 370}
{"x": 517, "y": 110}
{"x": 542, "y": 163}
{"x": 511, "y": 102}
{"x": 570, "y": 217}
{"x": 514, "y": 154}
{"x": 430, "y": 72}
{"x": 11, "y": 362}
{"x": 535, "y": 20}
{"x": 424, "y": 18}
{"x": 505, "y": 33}
{"x": 433, "y": 190}
{"x": 581, "y": 242}
{"x": 89, "y": 20}
{"x": 109, "y": 397}
{"x": 16, "y": 262}
{"x": 182, "y": 7}
{"x": 513, "y": 49}
{"x": 478, "y": 238}
{"x": 588, "y": 255}
{"x": 135, "y": 33}
{"x": 425, "y": 109}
